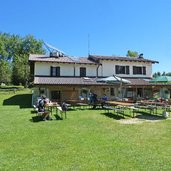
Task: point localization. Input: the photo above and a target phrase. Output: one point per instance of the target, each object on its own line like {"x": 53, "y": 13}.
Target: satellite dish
{"x": 54, "y": 51}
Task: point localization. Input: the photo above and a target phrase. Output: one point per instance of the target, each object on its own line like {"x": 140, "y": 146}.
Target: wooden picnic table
{"x": 50, "y": 106}
{"x": 146, "y": 102}
{"x": 116, "y": 103}
{"x": 57, "y": 107}
{"x": 120, "y": 106}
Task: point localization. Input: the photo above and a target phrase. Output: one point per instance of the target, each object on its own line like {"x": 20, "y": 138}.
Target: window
{"x": 139, "y": 70}
{"x": 112, "y": 92}
{"x": 55, "y": 95}
{"x": 121, "y": 69}
{"x": 42, "y": 91}
{"x": 82, "y": 72}
{"x": 55, "y": 71}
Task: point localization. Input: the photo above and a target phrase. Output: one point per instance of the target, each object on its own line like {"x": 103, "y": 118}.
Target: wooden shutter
{"x": 134, "y": 70}
{"x": 82, "y": 72}
{"x": 58, "y": 71}
{"x": 51, "y": 71}
{"x": 127, "y": 70}
{"x": 144, "y": 70}
{"x": 117, "y": 69}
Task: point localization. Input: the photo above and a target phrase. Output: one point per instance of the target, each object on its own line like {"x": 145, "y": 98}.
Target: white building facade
{"x": 64, "y": 77}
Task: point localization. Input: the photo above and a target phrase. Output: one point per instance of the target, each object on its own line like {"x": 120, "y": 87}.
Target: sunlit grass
{"x": 86, "y": 140}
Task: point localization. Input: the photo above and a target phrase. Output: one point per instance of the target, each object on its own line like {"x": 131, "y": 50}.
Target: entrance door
{"x": 139, "y": 92}
{"x": 56, "y": 95}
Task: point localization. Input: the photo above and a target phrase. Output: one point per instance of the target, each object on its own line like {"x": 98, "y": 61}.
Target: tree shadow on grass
{"x": 22, "y": 100}
{"x": 113, "y": 116}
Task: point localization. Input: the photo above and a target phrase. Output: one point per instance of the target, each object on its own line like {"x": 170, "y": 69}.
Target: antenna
{"x": 53, "y": 49}
{"x": 88, "y": 44}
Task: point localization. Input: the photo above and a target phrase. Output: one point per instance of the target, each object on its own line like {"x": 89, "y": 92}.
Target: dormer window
{"x": 55, "y": 71}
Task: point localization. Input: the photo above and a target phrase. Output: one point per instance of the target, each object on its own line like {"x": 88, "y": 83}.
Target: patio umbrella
{"x": 161, "y": 79}
{"x": 113, "y": 80}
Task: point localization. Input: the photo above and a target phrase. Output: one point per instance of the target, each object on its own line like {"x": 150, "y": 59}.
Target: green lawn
{"x": 86, "y": 140}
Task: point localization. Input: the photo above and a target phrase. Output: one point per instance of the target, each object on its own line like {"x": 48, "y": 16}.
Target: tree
{"x": 21, "y": 70}
{"x": 132, "y": 53}
{"x": 5, "y": 66}
{"x": 14, "y": 54}
{"x": 156, "y": 74}
{"x": 19, "y": 73}
{"x": 5, "y": 72}
{"x": 164, "y": 73}
{"x": 168, "y": 74}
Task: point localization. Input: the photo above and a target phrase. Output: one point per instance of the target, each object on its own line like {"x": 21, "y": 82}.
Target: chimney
{"x": 140, "y": 55}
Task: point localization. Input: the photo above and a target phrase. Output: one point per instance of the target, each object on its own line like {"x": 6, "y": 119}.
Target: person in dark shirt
{"x": 42, "y": 108}
{"x": 104, "y": 99}
{"x": 94, "y": 100}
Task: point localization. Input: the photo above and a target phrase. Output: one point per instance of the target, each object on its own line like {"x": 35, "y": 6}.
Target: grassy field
{"x": 86, "y": 140}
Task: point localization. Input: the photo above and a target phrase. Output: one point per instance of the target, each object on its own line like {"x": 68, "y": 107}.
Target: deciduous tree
{"x": 132, "y": 53}
{"x": 14, "y": 53}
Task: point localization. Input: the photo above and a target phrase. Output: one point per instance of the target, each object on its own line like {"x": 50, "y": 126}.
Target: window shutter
{"x": 82, "y": 72}
{"x": 144, "y": 70}
{"x": 117, "y": 69}
{"x": 134, "y": 70}
{"x": 51, "y": 71}
{"x": 58, "y": 71}
{"x": 127, "y": 70}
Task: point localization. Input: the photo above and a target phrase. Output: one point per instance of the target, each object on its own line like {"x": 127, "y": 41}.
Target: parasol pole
{"x": 120, "y": 87}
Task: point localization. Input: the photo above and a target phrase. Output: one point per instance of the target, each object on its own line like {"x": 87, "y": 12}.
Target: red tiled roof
{"x": 92, "y": 59}
{"x": 138, "y": 81}
{"x": 45, "y": 58}
{"x": 66, "y": 81}
{"x": 64, "y": 59}
{"x": 116, "y": 58}
{"x": 81, "y": 81}
{"x": 85, "y": 61}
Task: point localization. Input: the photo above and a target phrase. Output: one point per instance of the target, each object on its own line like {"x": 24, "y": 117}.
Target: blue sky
{"x": 113, "y": 26}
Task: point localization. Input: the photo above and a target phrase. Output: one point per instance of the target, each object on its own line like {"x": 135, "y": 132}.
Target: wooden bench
{"x": 40, "y": 113}
{"x": 134, "y": 110}
{"x": 118, "y": 109}
{"x": 37, "y": 111}
{"x": 44, "y": 115}
{"x": 35, "y": 108}
{"x": 61, "y": 112}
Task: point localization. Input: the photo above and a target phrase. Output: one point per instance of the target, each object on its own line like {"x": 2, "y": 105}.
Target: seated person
{"x": 41, "y": 108}
{"x": 90, "y": 98}
{"x": 94, "y": 100}
{"x": 104, "y": 99}
{"x": 64, "y": 107}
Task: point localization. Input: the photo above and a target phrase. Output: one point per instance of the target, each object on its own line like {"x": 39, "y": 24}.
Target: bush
{"x": 11, "y": 87}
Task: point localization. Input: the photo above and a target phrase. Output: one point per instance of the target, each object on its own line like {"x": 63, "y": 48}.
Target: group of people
{"x": 43, "y": 102}
{"x": 42, "y": 105}
{"x": 94, "y": 100}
